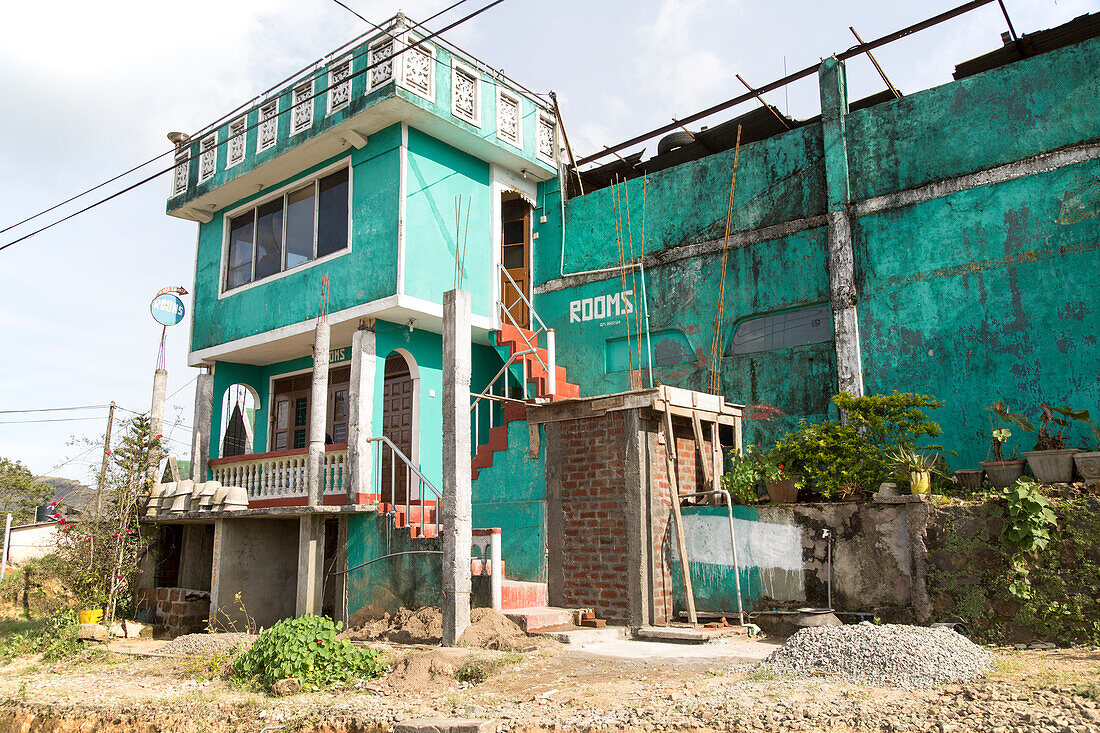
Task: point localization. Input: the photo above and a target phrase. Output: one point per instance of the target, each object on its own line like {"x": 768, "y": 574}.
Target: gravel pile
{"x": 902, "y": 656}
{"x": 200, "y": 643}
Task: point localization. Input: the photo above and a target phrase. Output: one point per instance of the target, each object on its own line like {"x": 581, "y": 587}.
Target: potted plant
{"x": 919, "y": 466}
{"x": 1088, "y": 462}
{"x": 1002, "y": 472}
{"x": 1051, "y": 461}
{"x": 782, "y": 487}
{"x": 742, "y": 477}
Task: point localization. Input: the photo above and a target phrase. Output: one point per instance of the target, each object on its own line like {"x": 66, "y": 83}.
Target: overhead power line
{"x": 52, "y": 419}
{"x": 221, "y": 120}
{"x": 55, "y": 409}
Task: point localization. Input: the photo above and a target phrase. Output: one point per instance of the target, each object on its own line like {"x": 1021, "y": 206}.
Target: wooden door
{"x": 515, "y": 244}
{"x": 397, "y": 425}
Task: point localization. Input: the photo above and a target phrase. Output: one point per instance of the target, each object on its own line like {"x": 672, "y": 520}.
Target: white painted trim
{"x": 243, "y": 122}
{"x": 457, "y": 67}
{"x": 347, "y": 59}
{"x": 505, "y": 181}
{"x": 274, "y": 194}
{"x": 364, "y": 310}
{"x": 518, "y": 142}
{"x": 428, "y": 50}
{"x": 260, "y": 147}
{"x": 395, "y": 67}
{"x": 310, "y": 104}
{"x": 250, "y": 432}
{"x": 185, "y": 154}
{"x": 402, "y": 206}
{"x": 540, "y": 118}
{"x": 206, "y": 146}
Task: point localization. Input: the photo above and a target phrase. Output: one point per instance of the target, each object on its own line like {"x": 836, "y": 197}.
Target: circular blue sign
{"x": 167, "y": 309}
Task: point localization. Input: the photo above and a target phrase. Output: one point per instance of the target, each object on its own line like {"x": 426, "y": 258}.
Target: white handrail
{"x": 422, "y": 482}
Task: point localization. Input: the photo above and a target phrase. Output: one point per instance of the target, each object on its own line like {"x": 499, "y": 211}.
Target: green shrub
{"x": 835, "y": 459}
{"x": 54, "y": 637}
{"x": 892, "y": 421}
{"x": 305, "y": 648}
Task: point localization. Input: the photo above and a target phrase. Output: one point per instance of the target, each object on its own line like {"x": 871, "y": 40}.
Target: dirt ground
{"x": 614, "y": 685}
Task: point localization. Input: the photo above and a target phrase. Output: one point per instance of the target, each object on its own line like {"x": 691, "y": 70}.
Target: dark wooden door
{"x": 515, "y": 243}
{"x": 397, "y": 425}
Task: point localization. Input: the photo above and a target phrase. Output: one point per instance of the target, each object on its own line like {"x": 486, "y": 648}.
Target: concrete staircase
{"x": 410, "y": 518}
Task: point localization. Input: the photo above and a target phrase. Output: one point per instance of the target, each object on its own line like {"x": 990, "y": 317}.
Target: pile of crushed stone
{"x": 190, "y": 644}
{"x": 488, "y": 629}
{"x": 886, "y": 655}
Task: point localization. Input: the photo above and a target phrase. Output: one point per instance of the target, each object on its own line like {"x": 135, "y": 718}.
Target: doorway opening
{"x": 515, "y": 257}
{"x": 398, "y": 423}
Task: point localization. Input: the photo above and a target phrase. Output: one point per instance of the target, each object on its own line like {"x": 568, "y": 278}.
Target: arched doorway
{"x": 238, "y": 423}
{"x": 399, "y": 401}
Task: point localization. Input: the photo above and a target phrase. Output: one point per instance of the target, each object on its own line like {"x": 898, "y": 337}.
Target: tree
{"x": 20, "y": 491}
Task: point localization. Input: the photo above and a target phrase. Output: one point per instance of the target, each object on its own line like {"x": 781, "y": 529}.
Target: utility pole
{"x": 103, "y": 465}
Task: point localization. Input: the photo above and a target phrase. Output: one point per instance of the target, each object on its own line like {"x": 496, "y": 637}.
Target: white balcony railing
{"x": 281, "y": 474}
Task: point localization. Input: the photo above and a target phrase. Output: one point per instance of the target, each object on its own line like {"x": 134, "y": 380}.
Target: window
{"x": 383, "y": 72}
{"x": 235, "y": 152}
{"x": 782, "y": 330}
{"x": 419, "y": 77}
{"x": 544, "y": 144}
{"x": 670, "y": 348}
{"x": 307, "y": 222}
{"x": 465, "y": 95}
{"x": 301, "y": 116}
{"x": 208, "y": 157}
{"x": 508, "y": 128}
{"x": 291, "y": 404}
{"x": 339, "y": 83}
{"x": 179, "y": 176}
{"x": 269, "y": 126}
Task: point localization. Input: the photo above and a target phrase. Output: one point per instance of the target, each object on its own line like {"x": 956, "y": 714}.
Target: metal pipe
{"x": 825, "y": 534}
{"x": 895, "y": 92}
{"x": 392, "y": 554}
{"x": 733, "y": 546}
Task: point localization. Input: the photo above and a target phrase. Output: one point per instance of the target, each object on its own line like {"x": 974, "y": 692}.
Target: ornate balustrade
{"x": 281, "y": 475}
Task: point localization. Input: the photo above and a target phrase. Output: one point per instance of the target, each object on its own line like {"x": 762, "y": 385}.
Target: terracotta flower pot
{"x": 782, "y": 492}
{"x": 1003, "y": 473}
{"x": 1088, "y": 465}
{"x": 1052, "y": 466}
{"x": 969, "y": 478}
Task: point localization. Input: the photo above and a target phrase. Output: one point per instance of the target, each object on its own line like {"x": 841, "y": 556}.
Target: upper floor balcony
{"x": 371, "y": 83}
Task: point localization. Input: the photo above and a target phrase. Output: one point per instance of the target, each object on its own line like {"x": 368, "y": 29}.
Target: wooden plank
{"x": 674, "y": 490}
{"x": 716, "y": 454}
{"x": 697, "y": 430}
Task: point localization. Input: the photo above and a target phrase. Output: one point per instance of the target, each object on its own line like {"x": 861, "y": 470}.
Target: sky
{"x": 91, "y": 89}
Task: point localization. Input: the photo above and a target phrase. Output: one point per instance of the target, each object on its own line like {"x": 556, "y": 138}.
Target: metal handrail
{"x": 410, "y": 469}
{"x": 733, "y": 542}
{"x": 485, "y": 392}
{"x": 523, "y": 297}
{"x": 550, "y": 363}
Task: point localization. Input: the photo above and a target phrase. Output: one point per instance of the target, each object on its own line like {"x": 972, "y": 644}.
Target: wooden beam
{"x": 681, "y": 543}
{"x": 697, "y": 430}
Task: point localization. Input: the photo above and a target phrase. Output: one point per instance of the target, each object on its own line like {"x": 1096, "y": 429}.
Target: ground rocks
{"x": 289, "y": 686}
{"x": 92, "y": 632}
{"x": 902, "y": 656}
{"x": 208, "y": 643}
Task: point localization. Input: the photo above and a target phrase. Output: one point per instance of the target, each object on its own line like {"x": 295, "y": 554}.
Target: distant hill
{"x": 74, "y": 497}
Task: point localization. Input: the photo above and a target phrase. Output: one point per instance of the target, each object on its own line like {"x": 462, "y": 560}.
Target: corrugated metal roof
{"x": 1079, "y": 29}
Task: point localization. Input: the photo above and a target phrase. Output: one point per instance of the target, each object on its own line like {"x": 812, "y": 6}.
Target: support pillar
{"x": 318, "y": 405}
{"x": 156, "y": 424}
{"x": 200, "y": 437}
{"x": 311, "y": 565}
{"x": 457, "y": 521}
{"x": 361, "y": 413}
{"x": 843, "y": 293}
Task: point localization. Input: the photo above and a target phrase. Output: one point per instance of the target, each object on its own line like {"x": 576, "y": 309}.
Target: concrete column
{"x": 457, "y": 523}
{"x": 636, "y": 490}
{"x": 361, "y": 412}
{"x": 216, "y": 596}
{"x": 318, "y": 406}
{"x": 156, "y": 423}
{"x": 200, "y": 436}
{"x": 311, "y": 564}
{"x": 843, "y": 294}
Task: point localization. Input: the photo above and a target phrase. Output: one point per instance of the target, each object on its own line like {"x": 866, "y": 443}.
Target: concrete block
{"x": 445, "y": 725}
{"x": 674, "y": 633}
{"x": 530, "y": 619}
{"x": 92, "y": 632}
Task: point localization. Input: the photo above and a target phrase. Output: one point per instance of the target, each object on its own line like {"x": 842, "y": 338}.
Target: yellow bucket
{"x": 91, "y": 617}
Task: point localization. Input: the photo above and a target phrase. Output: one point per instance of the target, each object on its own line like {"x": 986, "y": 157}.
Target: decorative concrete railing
{"x": 281, "y": 474}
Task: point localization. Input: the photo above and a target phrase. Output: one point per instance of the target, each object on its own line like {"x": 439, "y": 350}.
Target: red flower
{"x": 159, "y": 436}
{"x": 781, "y": 465}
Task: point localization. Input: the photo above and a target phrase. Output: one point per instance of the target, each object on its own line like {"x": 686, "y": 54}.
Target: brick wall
{"x": 593, "y": 509}
{"x": 179, "y": 610}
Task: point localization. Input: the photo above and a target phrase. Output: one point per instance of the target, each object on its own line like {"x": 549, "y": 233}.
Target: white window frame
{"x": 295, "y": 105}
{"x": 242, "y": 124}
{"x": 457, "y": 67}
{"x": 394, "y": 42}
{"x": 181, "y": 174}
{"x": 428, "y": 50}
{"x": 334, "y": 85}
{"x": 275, "y": 194}
{"x": 262, "y": 120}
{"x": 208, "y": 146}
{"x": 545, "y": 118}
{"x": 518, "y": 142}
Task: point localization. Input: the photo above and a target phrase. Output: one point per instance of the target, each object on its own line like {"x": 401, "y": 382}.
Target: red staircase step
{"x": 522, "y": 594}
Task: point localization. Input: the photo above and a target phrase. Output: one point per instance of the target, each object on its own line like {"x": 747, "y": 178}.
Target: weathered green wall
{"x": 409, "y": 581}
{"x": 973, "y": 296}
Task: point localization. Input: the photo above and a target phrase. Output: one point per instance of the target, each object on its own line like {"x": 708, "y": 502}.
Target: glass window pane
{"x": 332, "y": 219}
{"x": 513, "y": 257}
{"x": 299, "y": 226}
{"x": 269, "y": 238}
{"x": 300, "y": 411}
{"x": 340, "y": 405}
{"x": 299, "y": 438}
{"x": 783, "y": 330}
{"x": 340, "y": 432}
{"x": 280, "y": 441}
{"x": 282, "y": 414}
{"x": 239, "y": 270}
{"x": 513, "y": 232}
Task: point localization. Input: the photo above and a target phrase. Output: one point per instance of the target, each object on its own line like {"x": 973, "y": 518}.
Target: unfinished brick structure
{"x": 179, "y": 610}
{"x": 610, "y": 535}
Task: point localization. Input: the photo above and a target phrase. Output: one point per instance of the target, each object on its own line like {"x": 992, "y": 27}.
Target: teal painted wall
{"x": 511, "y": 494}
{"x": 974, "y": 296}
{"x": 713, "y": 582}
{"x": 438, "y": 176}
{"x": 365, "y": 272}
{"x": 409, "y": 581}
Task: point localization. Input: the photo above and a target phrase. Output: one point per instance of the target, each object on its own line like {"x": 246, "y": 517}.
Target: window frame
{"x": 309, "y": 104}
{"x": 458, "y": 67}
{"x": 262, "y": 120}
{"x": 502, "y": 93}
{"x": 208, "y": 145}
{"x": 824, "y": 306}
{"x": 334, "y": 85}
{"x": 282, "y": 193}
{"x": 428, "y": 49}
{"x": 183, "y": 163}
{"x": 242, "y": 122}
{"x": 393, "y": 41}
{"x": 543, "y": 117}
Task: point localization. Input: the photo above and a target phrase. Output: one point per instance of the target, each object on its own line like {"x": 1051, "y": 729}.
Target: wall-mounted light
{"x": 178, "y": 138}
